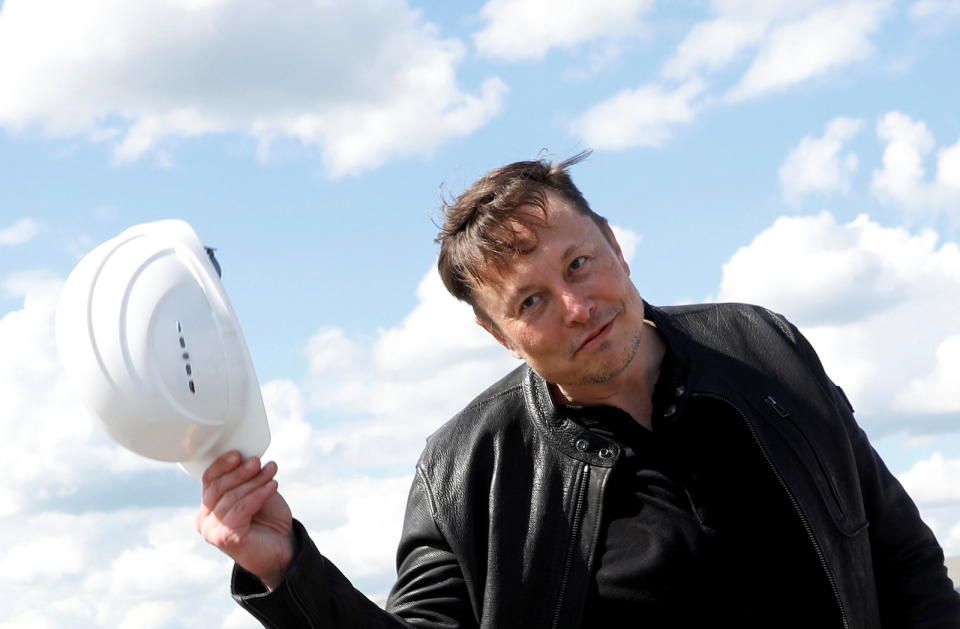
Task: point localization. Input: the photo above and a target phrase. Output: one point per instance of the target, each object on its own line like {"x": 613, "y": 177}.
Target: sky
{"x": 800, "y": 154}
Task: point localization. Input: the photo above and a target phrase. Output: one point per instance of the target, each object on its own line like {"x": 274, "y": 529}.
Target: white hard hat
{"x": 146, "y": 332}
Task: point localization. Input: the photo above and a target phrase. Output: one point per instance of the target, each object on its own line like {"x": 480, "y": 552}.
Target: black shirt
{"x": 698, "y": 530}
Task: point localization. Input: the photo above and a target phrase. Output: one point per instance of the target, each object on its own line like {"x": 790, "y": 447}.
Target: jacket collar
{"x": 559, "y": 426}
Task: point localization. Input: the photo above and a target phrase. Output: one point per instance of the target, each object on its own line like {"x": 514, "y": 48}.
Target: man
{"x": 673, "y": 467}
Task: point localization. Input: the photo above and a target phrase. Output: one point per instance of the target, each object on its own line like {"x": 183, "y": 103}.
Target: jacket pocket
{"x": 823, "y": 461}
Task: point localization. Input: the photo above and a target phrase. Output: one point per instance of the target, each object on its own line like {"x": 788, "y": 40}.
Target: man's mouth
{"x": 596, "y": 337}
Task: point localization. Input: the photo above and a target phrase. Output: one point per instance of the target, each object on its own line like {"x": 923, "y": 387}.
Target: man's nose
{"x": 577, "y": 308}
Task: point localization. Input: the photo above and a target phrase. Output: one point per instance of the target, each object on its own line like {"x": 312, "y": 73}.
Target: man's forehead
{"x": 502, "y": 279}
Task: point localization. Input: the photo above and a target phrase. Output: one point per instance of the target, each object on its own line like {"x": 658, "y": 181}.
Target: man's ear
{"x": 495, "y": 333}
{"x": 612, "y": 239}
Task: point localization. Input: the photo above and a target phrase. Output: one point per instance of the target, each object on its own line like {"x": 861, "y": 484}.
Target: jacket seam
{"x": 487, "y": 400}
{"x": 422, "y": 474}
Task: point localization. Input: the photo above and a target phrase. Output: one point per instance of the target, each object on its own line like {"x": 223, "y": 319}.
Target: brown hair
{"x": 492, "y": 220}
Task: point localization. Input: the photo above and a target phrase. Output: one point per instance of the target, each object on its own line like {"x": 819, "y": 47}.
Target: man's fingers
{"x": 227, "y": 528}
{"x": 232, "y": 496}
{"x": 218, "y": 486}
{"x": 223, "y": 464}
{"x": 245, "y": 508}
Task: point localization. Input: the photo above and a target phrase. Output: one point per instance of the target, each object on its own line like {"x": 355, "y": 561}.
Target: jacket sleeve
{"x": 913, "y": 588}
{"x": 313, "y": 595}
{"x": 429, "y": 593}
{"x": 431, "y": 589}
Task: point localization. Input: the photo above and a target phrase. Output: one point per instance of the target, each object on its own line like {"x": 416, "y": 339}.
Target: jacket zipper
{"x": 571, "y": 545}
{"x": 793, "y": 501}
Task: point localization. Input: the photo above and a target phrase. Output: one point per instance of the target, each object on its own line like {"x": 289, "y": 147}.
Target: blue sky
{"x": 802, "y": 155}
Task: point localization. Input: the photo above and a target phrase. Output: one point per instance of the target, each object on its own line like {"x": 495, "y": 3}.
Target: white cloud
{"x": 951, "y": 548}
{"x": 19, "y": 232}
{"x": 643, "y": 116}
{"x": 938, "y": 391}
{"x": 529, "y": 29}
{"x": 628, "y": 241}
{"x": 54, "y": 448}
{"x": 906, "y": 144}
{"x": 735, "y": 27}
{"x": 826, "y": 39}
{"x": 712, "y": 44}
{"x": 400, "y": 386}
{"x": 42, "y": 558}
{"x": 240, "y": 618}
{"x": 948, "y": 167}
{"x": 933, "y": 480}
{"x": 119, "y": 568}
{"x": 150, "y": 615}
{"x": 902, "y": 178}
{"x": 816, "y": 163}
{"x": 879, "y": 304}
{"x": 786, "y": 43}
{"x": 366, "y": 542}
{"x": 814, "y": 269}
{"x": 363, "y": 81}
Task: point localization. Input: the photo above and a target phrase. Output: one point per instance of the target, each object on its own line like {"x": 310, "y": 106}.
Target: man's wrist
{"x": 274, "y": 579}
{"x": 272, "y": 582}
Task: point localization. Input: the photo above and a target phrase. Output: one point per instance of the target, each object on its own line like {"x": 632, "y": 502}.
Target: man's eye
{"x": 529, "y": 302}
{"x": 578, "y": 262}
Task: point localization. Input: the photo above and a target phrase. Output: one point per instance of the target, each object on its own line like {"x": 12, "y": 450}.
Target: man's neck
{"x": 632, "y": 389}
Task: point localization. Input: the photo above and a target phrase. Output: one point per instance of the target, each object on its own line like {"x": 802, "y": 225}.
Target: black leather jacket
{"x": 506, "y": 505}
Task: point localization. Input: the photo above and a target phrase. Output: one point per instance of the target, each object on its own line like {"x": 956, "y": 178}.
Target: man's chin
{"x": 606, "y": 373}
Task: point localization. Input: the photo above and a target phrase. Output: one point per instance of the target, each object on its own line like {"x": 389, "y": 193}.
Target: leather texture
{"x": 506, "y": 505}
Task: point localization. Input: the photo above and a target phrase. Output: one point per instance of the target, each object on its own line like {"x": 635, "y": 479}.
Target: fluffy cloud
{"x": 938, "y": 391}
{"x": 639, "y": 117}
{"x": 528, "y": 29}
{"x": 53, "y": 447}
{"x": 399, "y": 387}
{"x": 902, "y": 178}
{"x": 735, "y": 27}
{"x": 934, "y": 484}
{"x": 933, "y": 480}
{"x": 790, "y": 42}
{"x": 362, "y": 81}
{"x": 878, "y": 303}
{"x": 816, "y": 163}
{"x": 786, "y": 43}
{"x": 826, "y": 39}
{"x": 123, "y": 568}
{"x": 628, "y": 241}
{"x": 712, "y": 44}
{"x": 19, "y": 232}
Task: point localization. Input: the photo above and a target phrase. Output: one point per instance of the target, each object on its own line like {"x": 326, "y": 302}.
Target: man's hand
{"x": 242, "y": 514}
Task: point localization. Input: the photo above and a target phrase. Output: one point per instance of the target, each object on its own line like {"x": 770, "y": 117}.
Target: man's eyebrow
{"x": 513, "y": 295}
{"x": 569, "y": 250}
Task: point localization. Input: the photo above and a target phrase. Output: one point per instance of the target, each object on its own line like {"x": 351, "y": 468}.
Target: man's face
{"x": 567, "y": 307}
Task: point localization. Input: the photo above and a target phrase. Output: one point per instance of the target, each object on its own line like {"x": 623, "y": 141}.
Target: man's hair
{"x": 492, "y": 221}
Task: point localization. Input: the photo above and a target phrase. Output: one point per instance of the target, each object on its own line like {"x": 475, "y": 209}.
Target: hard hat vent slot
{"x": 186, "y": 357}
